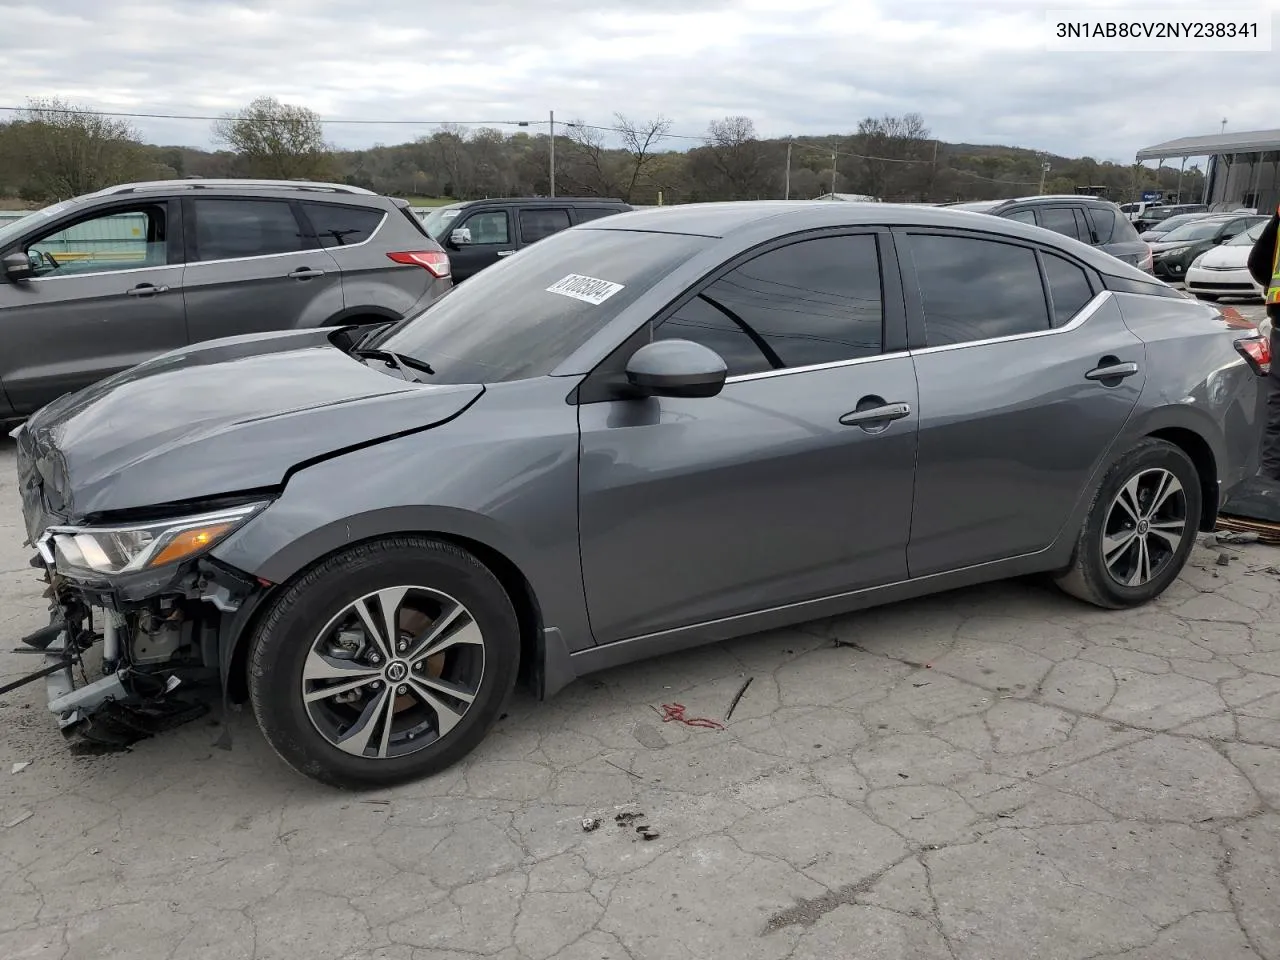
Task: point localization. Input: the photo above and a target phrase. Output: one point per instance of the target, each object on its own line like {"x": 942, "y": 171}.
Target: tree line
{"x": 54, "y": 150}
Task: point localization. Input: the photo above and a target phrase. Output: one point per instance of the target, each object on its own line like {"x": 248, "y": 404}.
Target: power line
{"x": 191, "y": 116}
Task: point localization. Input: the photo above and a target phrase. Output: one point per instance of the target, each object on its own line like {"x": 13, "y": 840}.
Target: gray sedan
{"x": 657, "y": 430}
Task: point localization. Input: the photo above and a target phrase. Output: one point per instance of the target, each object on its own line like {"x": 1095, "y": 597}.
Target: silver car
{"x": 94, "y": 285}
{"x": 656, "y": 430}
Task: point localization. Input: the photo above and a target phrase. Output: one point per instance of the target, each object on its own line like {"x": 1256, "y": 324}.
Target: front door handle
{"x": 1112, "y": 371}
{"x": 505, "y": 253}
{"x": 145, "y": 290}
{"x": 881, "y": 414}
{"x": 306, "y": 273}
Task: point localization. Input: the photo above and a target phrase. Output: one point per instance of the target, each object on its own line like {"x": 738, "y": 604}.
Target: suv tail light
{"x": 1147, "y": 263}
{"x": 435, "y": 262}
{"x": 1257, "y": 351}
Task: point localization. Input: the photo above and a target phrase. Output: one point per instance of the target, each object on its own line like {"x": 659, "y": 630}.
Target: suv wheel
{"x": 1140, "y": 528}
{"x": 384, "y": 663}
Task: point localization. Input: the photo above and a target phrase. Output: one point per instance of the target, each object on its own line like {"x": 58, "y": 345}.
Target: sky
{"x": 977, "y": 71}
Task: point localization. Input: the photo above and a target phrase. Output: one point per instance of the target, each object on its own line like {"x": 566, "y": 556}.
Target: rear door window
{"x": 234, "y": 229}
{"x": 536, "y": 224}
{"x": 972, "y": 289}
{"x": 1060, "y": 220}
{"x": 1022, "y": 216}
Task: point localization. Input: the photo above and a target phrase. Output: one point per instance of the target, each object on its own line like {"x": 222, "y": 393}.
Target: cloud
{"x": 977, "y": 71}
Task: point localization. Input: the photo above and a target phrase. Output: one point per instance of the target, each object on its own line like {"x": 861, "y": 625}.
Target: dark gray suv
{"x": 95, "y": 285}
{"x": 1091, "y": 220}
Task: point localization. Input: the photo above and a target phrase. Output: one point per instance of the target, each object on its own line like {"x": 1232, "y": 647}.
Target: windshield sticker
{"x": 587, "y": 289}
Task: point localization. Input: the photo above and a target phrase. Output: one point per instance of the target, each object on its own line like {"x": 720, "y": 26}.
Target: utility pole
{"x": 833, "y": 174}
{"x": 1224, "y": 125}
{"x": 787, "y": 196}
{"x": 553, "y": 153}
{"x": 1044, "y": 172}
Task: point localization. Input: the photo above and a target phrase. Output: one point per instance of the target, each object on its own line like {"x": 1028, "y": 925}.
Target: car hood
{"x": 223, "y": 417}
{"x": 1160, "y": 246}
{"x": 1226, "y": 256}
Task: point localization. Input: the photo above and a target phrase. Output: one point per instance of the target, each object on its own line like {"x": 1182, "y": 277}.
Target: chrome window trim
{"x": 1082, "y": 317}
{"x": 834, "y": 364}
{"x": 106, "y": 273}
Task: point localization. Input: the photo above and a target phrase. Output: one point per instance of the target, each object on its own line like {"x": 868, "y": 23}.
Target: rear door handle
{"x": 882, "y": 414}
{"x": 145, "y": 290}
{"x": 1112, "y": 371}
{"x": 505, "y": 253}
{"x": 306, "y": 273}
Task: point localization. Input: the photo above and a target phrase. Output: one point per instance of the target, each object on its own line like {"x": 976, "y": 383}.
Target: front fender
{"x": 503, "y": 475}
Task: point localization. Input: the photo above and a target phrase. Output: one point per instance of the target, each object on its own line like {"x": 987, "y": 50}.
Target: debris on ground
{"x": 20, "y": 818}
{"x": 625, "y": 818}
{"x": 675, "y": 711}
{"x": 590, "y": 823}
{"x": 736, "y": 697}
{"x": 19, "y": 767}
{"x": 1223, "y": 559}
{"x": 647, "y": 833}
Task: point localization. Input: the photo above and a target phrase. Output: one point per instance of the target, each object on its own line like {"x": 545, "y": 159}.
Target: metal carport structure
{"x": 1243, "y": 169}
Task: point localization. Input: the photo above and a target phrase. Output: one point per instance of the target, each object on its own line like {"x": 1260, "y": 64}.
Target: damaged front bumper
{"x": 155, "y": 647}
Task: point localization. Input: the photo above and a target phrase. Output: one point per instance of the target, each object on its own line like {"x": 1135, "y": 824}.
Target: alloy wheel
{"x": 393, "y": 672}
{"x": 1145, "y": 526}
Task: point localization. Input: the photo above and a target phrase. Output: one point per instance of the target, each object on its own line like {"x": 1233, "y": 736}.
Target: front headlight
{"x": 143, "y": 546}
{"x": 1196, "y": 262}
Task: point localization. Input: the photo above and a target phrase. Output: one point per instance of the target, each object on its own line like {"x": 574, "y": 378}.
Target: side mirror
{"x": 676, "y": 368}
{"x": 460, "y": 237}
{"x": 18, "y": 266}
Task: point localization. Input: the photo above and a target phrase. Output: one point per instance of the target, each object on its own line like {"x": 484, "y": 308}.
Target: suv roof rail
{"x": 547, "y": 200}
{"x": 1060, "y": 196}
{"x": 214, "y": 183}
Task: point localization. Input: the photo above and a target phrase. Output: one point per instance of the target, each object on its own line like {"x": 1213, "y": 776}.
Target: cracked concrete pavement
{"x": 996, "y": 773}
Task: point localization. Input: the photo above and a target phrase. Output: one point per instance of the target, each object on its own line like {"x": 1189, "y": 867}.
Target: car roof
{"x": 553, "y": 201}
{"x": 1059, "y": 198}
{"x": 230, "y": 185}
{"x": 754, "y": 221}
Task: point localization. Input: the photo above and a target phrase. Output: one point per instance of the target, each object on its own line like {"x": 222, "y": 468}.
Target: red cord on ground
{"x": 675, "y": 711}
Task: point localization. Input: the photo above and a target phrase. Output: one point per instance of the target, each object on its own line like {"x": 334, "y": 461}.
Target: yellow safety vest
{"x": 1273, "y": 291}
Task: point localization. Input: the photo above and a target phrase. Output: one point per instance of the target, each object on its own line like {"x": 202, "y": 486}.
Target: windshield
{"x": 1196, "y": 230}
{"x": 15, "y": 228}
{"x": 521, "y": 317}
{"x": 436, "y": 223}
{"x": 1249, "y": 237}
{"x": 1172, "y": 223}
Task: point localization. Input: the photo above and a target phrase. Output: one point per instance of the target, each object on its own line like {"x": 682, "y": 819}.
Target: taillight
{"x": 1257, "y": 351}
{"x": 435, "y": 262}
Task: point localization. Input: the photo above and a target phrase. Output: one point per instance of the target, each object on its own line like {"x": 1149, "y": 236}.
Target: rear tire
{"x": 385, "y": 663}
{"x": 1139, "y": 530}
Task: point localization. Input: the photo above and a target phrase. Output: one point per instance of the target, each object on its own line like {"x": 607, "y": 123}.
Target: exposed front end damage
{"x": 155, "y": 649}
{"x": 136, "y": 587}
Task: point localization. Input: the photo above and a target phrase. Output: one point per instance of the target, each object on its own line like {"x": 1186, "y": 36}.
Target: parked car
{"x": 1140, "y": 210}
{"x": 1223, "y": 271}
{"x": 1089, "y": 219}
{"x": 1158, "y": 229}
{"x": 653, "y": 431}
{"x": 97, "y": 284}
{"x": 479, "y": 233}
{"x": 1173, "y": 254}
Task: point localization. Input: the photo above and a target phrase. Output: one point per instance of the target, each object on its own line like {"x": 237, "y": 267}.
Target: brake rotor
{"x": 412, "y": 623}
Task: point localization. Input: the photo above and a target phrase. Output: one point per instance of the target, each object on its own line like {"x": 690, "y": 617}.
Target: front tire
{"x": 385, "y": 663}
{"x": 1139, "y": 530}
